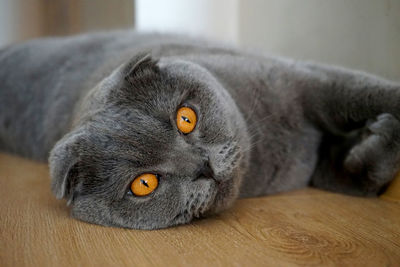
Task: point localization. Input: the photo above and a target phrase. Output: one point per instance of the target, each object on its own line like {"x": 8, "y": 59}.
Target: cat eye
{"x": 186, "y": 119}
{"x": 144, "y": 184}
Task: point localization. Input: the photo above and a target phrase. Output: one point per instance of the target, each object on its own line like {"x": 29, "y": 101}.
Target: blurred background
{"x": 362, "y": 34}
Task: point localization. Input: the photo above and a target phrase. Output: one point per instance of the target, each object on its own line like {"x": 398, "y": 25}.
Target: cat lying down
{"x": 149, "y": 131}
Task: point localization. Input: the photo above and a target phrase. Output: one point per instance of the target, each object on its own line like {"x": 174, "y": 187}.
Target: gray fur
{"x": 102, "y": 108}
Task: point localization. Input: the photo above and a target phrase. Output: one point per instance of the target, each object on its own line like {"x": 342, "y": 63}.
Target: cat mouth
{"x": 222, "y": 198}
{"x": 219, "y": 198}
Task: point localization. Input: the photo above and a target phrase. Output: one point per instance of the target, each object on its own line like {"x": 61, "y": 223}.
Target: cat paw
{"x": 375, "y": 160}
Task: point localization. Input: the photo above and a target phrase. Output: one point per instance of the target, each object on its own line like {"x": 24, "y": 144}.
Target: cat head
{"x": 128, "y": 128}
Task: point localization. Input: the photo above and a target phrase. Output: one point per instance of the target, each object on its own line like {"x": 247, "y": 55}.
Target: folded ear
{"x": 138, "y": 64}
{"x": 63, "y": 161}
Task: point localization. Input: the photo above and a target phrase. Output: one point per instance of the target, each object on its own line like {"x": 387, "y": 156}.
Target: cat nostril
{"x": 205, "y": 170}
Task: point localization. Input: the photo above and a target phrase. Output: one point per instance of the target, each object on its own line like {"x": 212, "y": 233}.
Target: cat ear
{"x": 138, "y": 65}
{"x": 63, "y": 161}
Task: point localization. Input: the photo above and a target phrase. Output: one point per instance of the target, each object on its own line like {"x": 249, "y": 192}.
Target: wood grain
{"x": 307, "y": 227}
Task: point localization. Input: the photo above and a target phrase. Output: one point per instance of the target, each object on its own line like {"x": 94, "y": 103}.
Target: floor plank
{"x": 306, "y": 227}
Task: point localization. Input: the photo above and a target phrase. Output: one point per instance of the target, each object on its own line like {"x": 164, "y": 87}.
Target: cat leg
{"x": 359, "y": 116}
{"x": 377, "y": 156}
{"x": 364, "y": 161}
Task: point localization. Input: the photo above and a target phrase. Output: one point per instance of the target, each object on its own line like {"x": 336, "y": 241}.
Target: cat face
{"x": 129, "y": 128}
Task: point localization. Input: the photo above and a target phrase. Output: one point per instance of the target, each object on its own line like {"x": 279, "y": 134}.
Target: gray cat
{"x": 149, "y": 131}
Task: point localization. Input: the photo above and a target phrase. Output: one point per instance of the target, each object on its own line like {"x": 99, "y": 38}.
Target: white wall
{"x": 8, "y": 22}
{"x": 211, "y": 18}
{"x": 363, "y": 34}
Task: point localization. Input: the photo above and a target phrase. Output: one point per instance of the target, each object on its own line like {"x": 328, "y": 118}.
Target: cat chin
{"x": 221, "y": 196}
{"x": 225, "y": 195}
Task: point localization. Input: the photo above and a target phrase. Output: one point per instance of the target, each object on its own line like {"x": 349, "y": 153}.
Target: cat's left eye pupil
{"x": 186, "y": 119}
{"x": 144, "y": 182}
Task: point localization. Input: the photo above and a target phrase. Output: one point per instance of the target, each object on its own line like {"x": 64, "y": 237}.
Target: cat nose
{"x": 205, "y": 171}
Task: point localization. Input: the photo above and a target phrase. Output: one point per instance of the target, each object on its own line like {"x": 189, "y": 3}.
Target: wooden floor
{"x": 307, "y": 227}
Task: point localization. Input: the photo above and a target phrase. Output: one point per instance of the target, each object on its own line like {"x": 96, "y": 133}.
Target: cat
{"x": 149, "y": 131}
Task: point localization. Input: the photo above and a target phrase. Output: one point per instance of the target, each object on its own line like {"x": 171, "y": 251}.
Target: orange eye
{"x": 186, "y": 119}
{"x": 144, "y": 184}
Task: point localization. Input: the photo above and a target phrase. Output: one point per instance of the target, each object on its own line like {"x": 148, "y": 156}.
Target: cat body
{"x": 103, "y": 107}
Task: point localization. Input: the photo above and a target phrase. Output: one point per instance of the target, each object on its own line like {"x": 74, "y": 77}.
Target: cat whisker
{"x": 252, "y": 145}
{"x": 254, "y": 104}
{"x": 269, "y": 116}
{"x": 252, "y": 128}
